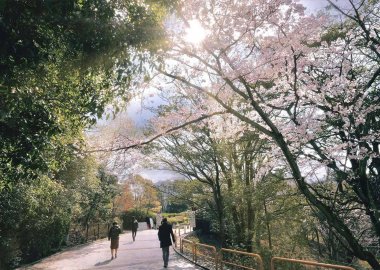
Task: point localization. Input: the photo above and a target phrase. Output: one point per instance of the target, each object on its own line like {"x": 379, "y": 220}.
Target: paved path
{"x": 144, "y": 253}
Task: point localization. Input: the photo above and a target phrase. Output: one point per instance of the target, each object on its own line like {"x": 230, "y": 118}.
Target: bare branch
{"x": 136, "y": 145}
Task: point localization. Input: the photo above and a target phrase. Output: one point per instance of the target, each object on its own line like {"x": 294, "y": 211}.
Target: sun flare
{"x": 195, "y": 33}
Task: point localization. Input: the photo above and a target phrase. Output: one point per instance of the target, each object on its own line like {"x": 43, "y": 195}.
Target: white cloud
{"x": 159, "y": 175}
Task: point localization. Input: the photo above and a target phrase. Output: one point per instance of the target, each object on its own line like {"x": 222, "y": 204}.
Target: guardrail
{"x": 183, "y": 247}
{"x": 256, "y": 257}
{"x": 207, "y": 252}
{"x": 217, "y": 259}
{"x": 185, "y": 227}
{"x": 324, "y": 265}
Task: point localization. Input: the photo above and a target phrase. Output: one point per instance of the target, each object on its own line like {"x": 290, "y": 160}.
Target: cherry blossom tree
{"x": 307, "y": 83}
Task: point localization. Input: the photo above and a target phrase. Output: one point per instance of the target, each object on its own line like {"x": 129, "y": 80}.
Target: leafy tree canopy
{"x": 61, "y": 63}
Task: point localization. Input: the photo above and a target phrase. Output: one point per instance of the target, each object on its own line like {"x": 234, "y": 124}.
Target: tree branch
{"x": 136, "y": 145}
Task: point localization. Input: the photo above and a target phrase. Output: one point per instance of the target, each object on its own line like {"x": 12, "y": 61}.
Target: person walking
{"x": 113, "y": 235}
{"x": 147, "y": 220}
{"x": 135, "y": 225}
{"x": 154, "y": 224}
{"x": 164, "y": 233}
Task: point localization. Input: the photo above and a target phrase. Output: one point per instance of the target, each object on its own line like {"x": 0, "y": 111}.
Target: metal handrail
{"x": 256, "y": 256}
{"x": 218, "y": 258}
{"x": 326, "y": 265}
{"x": 213, "y": 251}
{"x": 177, "y": 229}
{"x": 192, "y": 247}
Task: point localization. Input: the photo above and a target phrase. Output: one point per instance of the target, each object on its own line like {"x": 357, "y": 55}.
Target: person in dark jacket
{"x": 113, "y": 235}
{"x": 164, "y": 233}
{"x": 135, "y": 225}
{"x": 147, "y": 220}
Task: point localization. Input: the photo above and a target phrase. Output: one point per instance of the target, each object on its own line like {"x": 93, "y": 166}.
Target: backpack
{"x": 114, "y": 232}
{"x": 135, "y": 225}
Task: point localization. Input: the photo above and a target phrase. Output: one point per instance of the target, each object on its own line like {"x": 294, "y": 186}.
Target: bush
{"x": 176, "y": 218}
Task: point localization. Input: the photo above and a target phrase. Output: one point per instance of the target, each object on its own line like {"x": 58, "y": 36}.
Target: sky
{"x": 312, "y": 5}
{"x": 160, "y": 175}
{"x": 137, "y": 112}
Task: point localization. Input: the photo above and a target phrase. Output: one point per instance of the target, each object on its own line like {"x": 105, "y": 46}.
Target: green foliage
{"x": 46, "y": 220}
{"x": 144, "y": 194}
{"x": 37, "y": 216}
{"x": 91, "y": 31}
{"x": 177, "y": 196}
{"x": 61, "y": 63}
{"x": 90, "y": 189}
{"x": 176, "y": 218}
{"x": 177, "y": 208}
{"x": 261, "y": 212}
{"x": 34, "y": 219}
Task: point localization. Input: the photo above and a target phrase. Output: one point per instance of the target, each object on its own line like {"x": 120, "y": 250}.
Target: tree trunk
{"x": 332, "y": 219}
{"x": 87, "y": 227}
{"x": 235, "y": 216}
{"x": 250, "y": 226}
{"x": 319, "y": 244}
{"x": 268, "y": 225}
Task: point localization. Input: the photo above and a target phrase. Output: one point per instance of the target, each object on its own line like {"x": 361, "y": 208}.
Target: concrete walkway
{"x": 144, "y": 253}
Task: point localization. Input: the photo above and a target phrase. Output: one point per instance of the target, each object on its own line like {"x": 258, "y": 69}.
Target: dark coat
{"x": 135, "y": 225}
{"x": 164, "y": 233}
{"x": 114, "y": 232}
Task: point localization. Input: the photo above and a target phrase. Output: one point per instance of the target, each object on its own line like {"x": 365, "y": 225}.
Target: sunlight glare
{"x": 195, "y": 33}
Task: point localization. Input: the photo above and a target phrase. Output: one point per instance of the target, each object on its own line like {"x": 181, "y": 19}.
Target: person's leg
{"x": 165, "y": 255}
{"x": 116, "y": 246}
{"x": 111, "y": 248}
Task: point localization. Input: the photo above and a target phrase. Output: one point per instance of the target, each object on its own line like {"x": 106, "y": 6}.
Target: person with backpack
{"x": 113, "y": 235}
{"x": 164, "y": 233}
{"x": 135, "y": 225}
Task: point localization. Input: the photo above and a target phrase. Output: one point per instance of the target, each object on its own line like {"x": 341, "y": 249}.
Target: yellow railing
{"x": 207, "y": 252}
{"x": 256, "y": 257}
{"x": 184, "y": 247}
{"x": 196, "y": 250}
{"x": 324, "y": 265}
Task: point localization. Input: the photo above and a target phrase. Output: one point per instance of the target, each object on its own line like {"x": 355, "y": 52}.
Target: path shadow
{"x": 103, "y": 263}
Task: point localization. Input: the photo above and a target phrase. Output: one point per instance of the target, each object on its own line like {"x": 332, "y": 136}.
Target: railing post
{"x": 194, "y": 251}
{"x": 216, "y": 260}
{"x": 221, "y": 259}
